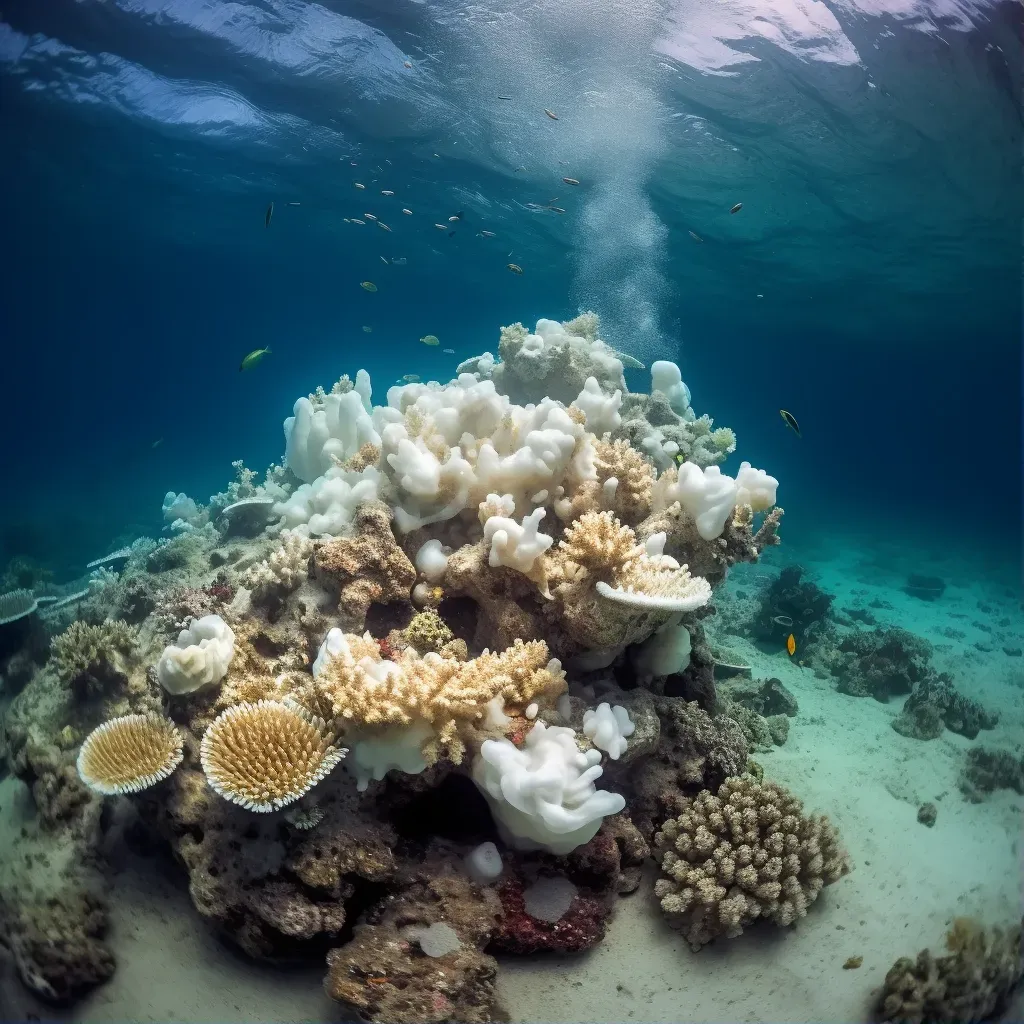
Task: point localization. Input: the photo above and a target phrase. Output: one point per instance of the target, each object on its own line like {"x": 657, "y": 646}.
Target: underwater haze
{"x": 870, "y": 284}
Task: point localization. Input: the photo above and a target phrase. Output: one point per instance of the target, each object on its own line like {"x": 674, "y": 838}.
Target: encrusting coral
{"x": 91, "y": 658}
{"x": 129, "y": 754}
{"x": 745, "y": 853}
{"x": 972, "y": 983}
{"x": 267, "y": 755}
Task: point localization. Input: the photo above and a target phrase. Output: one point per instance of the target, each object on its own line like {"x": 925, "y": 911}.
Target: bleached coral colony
{"x": 467, "y": 619}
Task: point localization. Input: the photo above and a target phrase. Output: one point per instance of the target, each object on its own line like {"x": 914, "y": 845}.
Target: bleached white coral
{"x": 179, "y": 507}
{"x": 600, "y": 410}
{"x": 608, "y": 728}
{"x": 200, "y": 656}
{"x": 334, "y": 426}
{"x": 432, "y": 560}
{"x": 666, "y": 378}
{"x": 708, "y": 495}
{"x": 754, "y": 487}
{"x": 326, "y": 506}
{"x": 543, "y": 795}
{"x": 517, "y": 546}
{"x": 657, "y": 584}
{"x": 663, "y": 654}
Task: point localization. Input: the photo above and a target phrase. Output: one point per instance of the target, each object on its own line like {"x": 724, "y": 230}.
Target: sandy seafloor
{"x": 842, "y": 757}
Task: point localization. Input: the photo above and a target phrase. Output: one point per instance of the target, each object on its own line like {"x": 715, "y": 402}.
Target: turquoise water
{"x": 809, "y": 205}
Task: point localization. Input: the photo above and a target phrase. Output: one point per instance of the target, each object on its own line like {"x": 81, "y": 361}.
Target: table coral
{"x": 745, "y": 853}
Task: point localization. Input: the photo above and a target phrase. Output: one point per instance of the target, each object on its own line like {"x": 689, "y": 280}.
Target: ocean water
{"x": 870, "y": 284}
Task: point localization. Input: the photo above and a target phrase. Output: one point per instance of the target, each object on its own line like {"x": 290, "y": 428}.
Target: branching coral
{"x": 748, "y": 852}
{"x": 972, "y": 983}
{"x": 267, "y": 755}
{"x": 90, "y": 658}
{"x": 633, "y": 476}
{"x": 285, "y": 568}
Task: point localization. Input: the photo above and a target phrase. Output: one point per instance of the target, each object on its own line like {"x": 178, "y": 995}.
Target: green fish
{"x": 254, "y": 357}
{"x": 790, "y": 420}
{"x": 430, "y": 339}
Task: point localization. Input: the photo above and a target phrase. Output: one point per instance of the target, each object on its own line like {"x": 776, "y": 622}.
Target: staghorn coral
{"x": 284, "y": 569}
{"x": 972, "y": 983}
{"x": 748, "y": 852}
{"x": 599, "y": 543}
{"x": 631, "y": 500}
{"x": 91, "y": 659}
{"x": 367, "y": 568}
{"x": 361, "y": 688}
{"x": 129, "y": 754}
{"x": 267, "y": 755}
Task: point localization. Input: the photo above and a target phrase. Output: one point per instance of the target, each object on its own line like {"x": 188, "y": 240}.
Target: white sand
{"x": 842, "y": 757}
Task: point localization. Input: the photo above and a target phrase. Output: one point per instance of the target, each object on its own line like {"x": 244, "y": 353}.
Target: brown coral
{"x": 635, "y": 476}
{"x": 266, "y": 755}
{"x": 129, "y": 754}
{"x": 91, "y": 658}
{"x": 367, "y": 568}
{"x": 748, "y": 852}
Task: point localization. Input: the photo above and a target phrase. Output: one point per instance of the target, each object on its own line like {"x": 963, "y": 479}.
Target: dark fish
{"x": 504, "y": 97}
{"x": 451, "y": 234}
{"x": 269, "y": 216}
{"x": 790, "y": 420}
{"x": 736, "y": 208}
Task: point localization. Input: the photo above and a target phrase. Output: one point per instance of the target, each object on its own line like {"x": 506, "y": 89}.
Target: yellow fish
{"x": 430, "y": 339}
{"x": 255, "y": 356}
{"x": 791, "y": 644}
{"x": 367, "y": 286}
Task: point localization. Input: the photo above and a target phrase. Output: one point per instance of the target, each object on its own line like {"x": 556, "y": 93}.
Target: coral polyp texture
{"x": 474, "y": 608}
{"x": 267, "y": 755}
{"x": 745, "y": 853}
{"x": 129, "y": 754}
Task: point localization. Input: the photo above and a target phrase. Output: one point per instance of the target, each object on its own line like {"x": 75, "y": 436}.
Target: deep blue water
{"x": 877, "y": 155}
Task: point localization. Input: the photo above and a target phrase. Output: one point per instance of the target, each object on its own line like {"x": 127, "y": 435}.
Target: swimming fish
{"x": 408, "y": 213}
{"x": 255, "y": 356}
{"x": 383, "y": 226}
{"x": 680, "y": 459}
{"x": 487, "y": 234}
{"x": 384, "y": 260}
{"x": 357, "y": 185}
{"x": 696, "y": 237}
{"x": 347, "y": 220}
{"x": 736, "y": 208}
{"x": 370, "y": 216}
{"x": 455, "y": 217}
{"x": 504, "y": 97}
{"x": 791, "y": 644}
{"x": 398, "y": 261}
{"x": 367, "y": 286}
{"x": 515, "y": 268}
{"x": 448, "y": 351}
{"x": 157, "y": 443}
{"x": 356, "y": 220}
{"x": 518, "y": 169}
{"x": 269, "y": 216}
{"x": 407, "y": 64}
{"x": 556, "y": 209}
{"x": 551, "y": 114}
{"x": 430, "y": 339}
{"x": 790, "y": 420}
{"x": 367, "y": 330}
{"x": 295, "y": 204}
{"x": 441, "y": 227}
{"x": 571, "y": 181}
{"x": 386, "y": 192}
{"x": 411, "y": 378}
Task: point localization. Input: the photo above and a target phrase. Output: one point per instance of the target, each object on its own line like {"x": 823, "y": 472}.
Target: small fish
{"x": 411, "y": 378}
{"x": 386, "y": 192}
{"x": 790, "y": 420}
{"x": 356, "y": 220}
{"x": 408, "y": 213}
{"x": 384, "y": 260}
{"x": 736, "y": 208}
{"x": 487, "y": 234}
{"x": 441, "y": 227}
{"x": 407, "y": 64}
{"x": 269, "y": 217}
{"x": 367, "y": 330}
{"x": 680, "y": 459}
{"x": 759, "y": 295}
{"x": 515, "y": 268}
{"x": 254, "y": 357}
{"x": 791, "y": 644}
{"x": 457, "y": 216}
{"x": 367, "y": 286}
{"x": 556, "y": 209}
{"x": 571, "y": 181}
{"x": 504, "y": 97}
{"x": 156, "y": 444}
{"x": 295, "y": 204}
{"x": 551, "y": 114}
{"x": 383, "y": 226}
{"x": 430, "y": 339}
{"x": 357, "y": 185}
{"x": 398, "y": 261}
{"x": 448, "y": 351}
{"x": 695, "y": 236}
{"x": 370, "y": 216}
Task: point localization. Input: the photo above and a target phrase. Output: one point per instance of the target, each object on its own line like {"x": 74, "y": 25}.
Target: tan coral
{"x": 368, "y": 455}
{"x": 129, "y": 754}
{"x": 635, "y": 476}
{"x": 748, "y": 852}
{"x": 83, "y": 649}
{"x": 598, "y": 542}
{"x": 366, "y": 568}
{"x": 285, "y": 568}
{"x": 267, "y": 755}
{"x": 363, "y": 689}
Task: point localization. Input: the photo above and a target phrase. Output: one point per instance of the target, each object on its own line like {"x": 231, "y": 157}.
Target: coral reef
{"x": 935, "y": 703}
{"x": 794, "y": 605}
{"x": 986, "y": 770}
{"x": 973, "y": 982}
{"x": 881, "y": 663}
{"x": 91, "y": 659}
{"x": 748, "y": 852}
